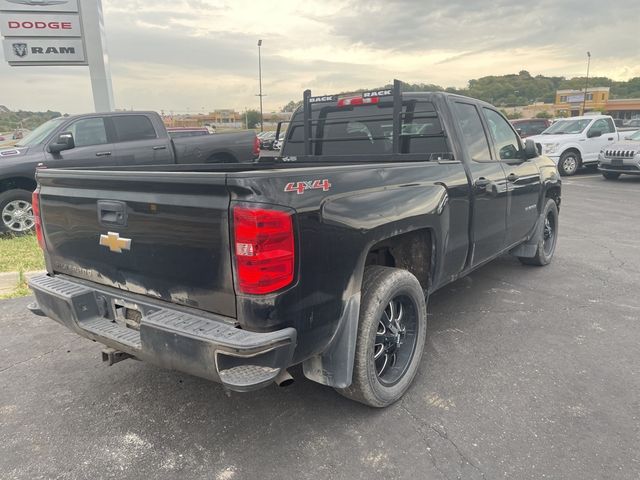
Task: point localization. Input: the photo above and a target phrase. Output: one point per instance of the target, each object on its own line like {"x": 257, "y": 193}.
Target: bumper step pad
{"x": 206, "y": 345}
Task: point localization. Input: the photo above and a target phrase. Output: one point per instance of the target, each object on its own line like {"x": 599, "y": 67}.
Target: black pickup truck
{"x": 324, "y": 256}
{"x": 108, "y": 139}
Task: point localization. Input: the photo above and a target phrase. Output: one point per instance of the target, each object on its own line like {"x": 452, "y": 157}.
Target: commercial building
{"x": 624, "y": 108}
{"x": 571, "y": 103}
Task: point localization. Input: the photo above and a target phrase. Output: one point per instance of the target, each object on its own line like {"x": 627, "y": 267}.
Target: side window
{"x": 88, "y": 131}
{"x": 133, "y": 127}
{"x": 601, "y": 125}
{"x": 473, "y": 132}
{"x": 504, "y": 138}
{"x": 610, "y": 126}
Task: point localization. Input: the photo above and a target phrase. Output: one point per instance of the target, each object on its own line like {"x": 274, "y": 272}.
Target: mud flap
{"x": 334, "y": 366}
{"x": 529, "y": 248}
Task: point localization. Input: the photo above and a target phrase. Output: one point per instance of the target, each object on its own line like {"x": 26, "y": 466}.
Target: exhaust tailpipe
{"x": 284, "y": 379}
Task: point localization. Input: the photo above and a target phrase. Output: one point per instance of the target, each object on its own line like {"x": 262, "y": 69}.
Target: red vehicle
{"x": 527, "y": 127}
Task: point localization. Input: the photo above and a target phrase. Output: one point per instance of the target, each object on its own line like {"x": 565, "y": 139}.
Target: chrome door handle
{"x": 160, "y": 147}
{"x": 103, "y": 154}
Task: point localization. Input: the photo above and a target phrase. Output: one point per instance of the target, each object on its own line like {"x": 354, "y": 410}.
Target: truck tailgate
{"x": 160, "y": 234}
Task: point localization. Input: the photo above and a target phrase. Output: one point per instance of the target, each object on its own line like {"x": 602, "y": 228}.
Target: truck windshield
{"x": 567, "y": 126}
{"x": 368, "y": 130}
{"x": 39, "y": 134}
{"x": 635, "y": 136}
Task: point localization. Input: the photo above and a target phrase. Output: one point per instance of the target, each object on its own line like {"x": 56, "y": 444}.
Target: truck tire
{"x": 548, "y": 237}
{"x": 569, "y": 163}
{"x": 611, "y": 175}
{"x": 391, "y": 334}
{"x": 16, "y": 215}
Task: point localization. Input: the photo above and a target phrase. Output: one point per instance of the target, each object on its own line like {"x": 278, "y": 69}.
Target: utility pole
{"x": 260, "y": 82}
{"x": 586, "y": 84}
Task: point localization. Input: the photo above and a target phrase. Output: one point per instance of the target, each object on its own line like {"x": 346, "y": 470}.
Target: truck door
{"x": 523, "y": 178}
{"x": 93, "y": 146}
{"x": 489, "y": 190}
{"x": 137, "y": 142}
{"x": 607, "y": 129}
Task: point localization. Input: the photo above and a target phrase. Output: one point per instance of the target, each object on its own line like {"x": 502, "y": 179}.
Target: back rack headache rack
{"x": 307, "y": 100}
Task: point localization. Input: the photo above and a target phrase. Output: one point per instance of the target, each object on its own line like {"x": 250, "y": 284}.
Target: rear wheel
{"x": 611, "y": 175}
{"x": 16, "y": 214}
{"x": 548, "y": 237}
{"x": 391, "y": 334}
{"x": 569, "y": 163}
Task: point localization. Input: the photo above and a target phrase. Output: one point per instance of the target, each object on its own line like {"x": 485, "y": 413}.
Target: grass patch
{"x": 22, "y": 290}
{"x": 20, "y": 254}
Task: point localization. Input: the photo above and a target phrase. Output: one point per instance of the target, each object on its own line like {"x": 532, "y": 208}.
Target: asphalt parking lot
{"x": 528, "y": 373}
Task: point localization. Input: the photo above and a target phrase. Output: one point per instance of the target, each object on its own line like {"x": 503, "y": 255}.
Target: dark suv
{"x": 527, "y": 127}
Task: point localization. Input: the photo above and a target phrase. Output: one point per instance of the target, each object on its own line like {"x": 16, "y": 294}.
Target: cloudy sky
{"x": 197, "y": 55}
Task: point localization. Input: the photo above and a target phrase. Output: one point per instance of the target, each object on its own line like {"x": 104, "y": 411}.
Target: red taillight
{"x": 256, "y": 146}
{"x": 263, "y": 248}
{"x": 35, "y": 207}
{"x": 354, "y": 101}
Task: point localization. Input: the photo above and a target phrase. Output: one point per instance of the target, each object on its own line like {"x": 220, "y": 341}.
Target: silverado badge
{"x": 114, "y": 243}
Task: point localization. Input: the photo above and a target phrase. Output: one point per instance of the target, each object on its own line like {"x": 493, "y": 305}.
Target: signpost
{"x": 59, "y": 32}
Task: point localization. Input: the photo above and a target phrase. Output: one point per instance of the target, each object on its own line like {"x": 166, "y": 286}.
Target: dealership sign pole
{"x": 59, "y": 32}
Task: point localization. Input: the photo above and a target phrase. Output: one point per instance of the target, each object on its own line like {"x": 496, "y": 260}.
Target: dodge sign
{"x": 40, "y": 24}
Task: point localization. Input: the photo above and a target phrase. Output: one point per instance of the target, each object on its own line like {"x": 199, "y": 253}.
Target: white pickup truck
{"x": 576, "y": 142}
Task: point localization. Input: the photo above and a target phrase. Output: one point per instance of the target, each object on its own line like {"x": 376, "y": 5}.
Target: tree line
{"x": 518, "y": 89}
{"x": 23, "y": 119}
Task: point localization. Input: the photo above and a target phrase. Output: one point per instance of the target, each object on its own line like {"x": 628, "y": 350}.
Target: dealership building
{"x": 571, "y": 103}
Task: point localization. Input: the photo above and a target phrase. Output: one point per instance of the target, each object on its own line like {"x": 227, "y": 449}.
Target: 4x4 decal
{"x": 301, "y": 187}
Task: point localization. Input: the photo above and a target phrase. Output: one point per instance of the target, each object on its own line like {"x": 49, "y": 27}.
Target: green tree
{"x": 544, "y": 114}
{"x": 252, "y": 118}
{"x": 291, "y": 106}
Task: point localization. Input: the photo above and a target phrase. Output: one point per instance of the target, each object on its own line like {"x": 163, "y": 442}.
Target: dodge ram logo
{"x": 20, "y": 49}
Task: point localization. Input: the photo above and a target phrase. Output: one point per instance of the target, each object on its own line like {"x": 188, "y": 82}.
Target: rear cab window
{"x": 133, "y": 127}
{"x": 368, "y": 129}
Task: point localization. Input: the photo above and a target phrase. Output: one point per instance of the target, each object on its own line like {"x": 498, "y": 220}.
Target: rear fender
{"x": 379, "y": 215}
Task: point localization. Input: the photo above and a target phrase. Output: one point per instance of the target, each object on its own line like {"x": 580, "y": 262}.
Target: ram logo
{"x": 20, "y": 49}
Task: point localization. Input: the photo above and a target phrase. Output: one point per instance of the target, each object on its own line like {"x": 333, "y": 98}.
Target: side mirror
{"x": 530, "y": 149}
{"x": 63, "y": 142}
{"x": 594, "y": 133}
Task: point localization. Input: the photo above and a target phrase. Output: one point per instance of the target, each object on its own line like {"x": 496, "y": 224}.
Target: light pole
{"x": 586, "y": 84}
{"x": 260, "y": 82}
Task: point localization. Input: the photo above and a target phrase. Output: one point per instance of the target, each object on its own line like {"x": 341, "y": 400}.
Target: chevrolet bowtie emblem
{"x": 114, "y": 243}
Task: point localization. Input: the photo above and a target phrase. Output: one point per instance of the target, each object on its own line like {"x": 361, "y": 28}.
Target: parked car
{"x": 266, "y": 142}
{"x": 277, "y": 144}
{"x": 576, "y": 142}
{"x": 633, "y": 123}
{"x": 179, "y": 132}
{"x": 527, "y": 127}
{"x": 621, "y": 158}
{"x": 118, "y": 138}
{"x": 324, "y": 256}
